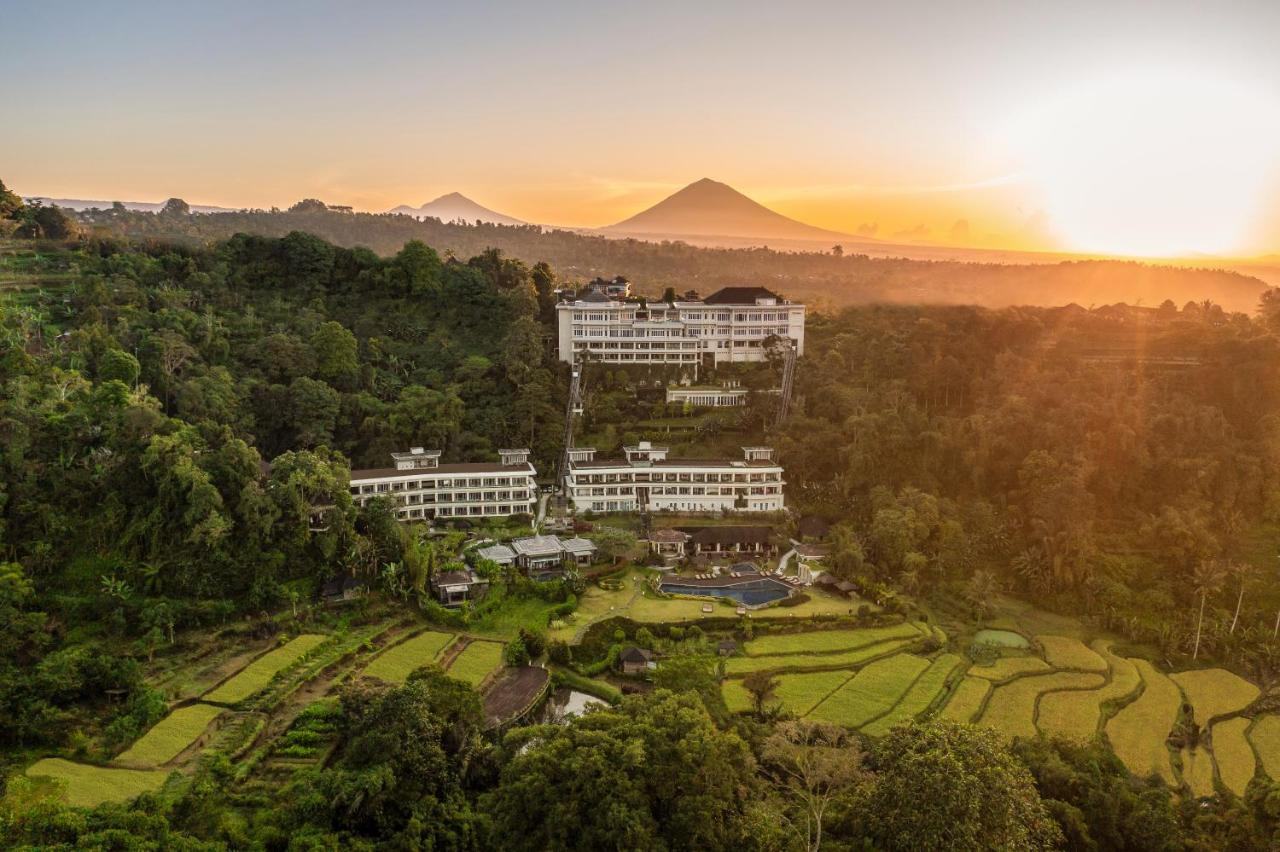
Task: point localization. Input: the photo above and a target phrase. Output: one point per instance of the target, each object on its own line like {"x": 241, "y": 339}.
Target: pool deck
{"x": 724, "y": 581}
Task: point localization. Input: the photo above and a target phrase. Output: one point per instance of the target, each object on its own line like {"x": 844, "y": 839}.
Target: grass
{"x": 1197, "y": 771}
{"x": 1265, "y": 736}
{"x": 796, "y": 693}
{"x": 841, "y": 659}
{"x": 1234, "y": 756}
{"x": 919, "y": 697}
{"x": 870, "y": 693}
{"x": 476, "y": 662}
{"x": 1012, "y": 707}
{"x": 1215, "y": 692}
{"x": 396, "y": 663}
{"x": 170, "y": 736}
{"x": 966, "y": 700}
{"x": 511, "y": 613}
{"x": 1076, "y": 715}
{"x": 1066, "y": 652}
{"x": 822, "y": 641}
{"x": 89, "y": 786}
{"x": 736, "y": 697}
{"x": 255, "y": 676}
{"x": 1138, "y": 732}
{"x": 1007, "y": 667}
{"x": 651, "y": 608}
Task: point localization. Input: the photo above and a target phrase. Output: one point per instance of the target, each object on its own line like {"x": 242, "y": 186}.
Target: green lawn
{"x": 1067, "y": 652}
{"x": 1215, "y": 692}
{"x": 872, "y": 692}
{"x": 255, "y": 676}
{"x": 396, "y": 663}
{"x": 170, "y": 736}
{"x": 823, "y": 641}
{"x": 966, "y": 700}
{"x": 1012, "y": 707}
{"x": 919, "y": 697}
{"x": 1138, "y": 731}
{"x": 1076, "y": 715}
{"x": 738, "y": 666}
{"x": 476, "y": 661}
{"x": 89, "y": 786}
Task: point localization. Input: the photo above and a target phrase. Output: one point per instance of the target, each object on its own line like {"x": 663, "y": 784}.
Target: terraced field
{"x": 1007, "y": 667}
{"x": 396, "y": 663}
{"x": 476, "y": 662}
{"x": 1197, "y": 770}
{"x": 1234, "y": 755}
{"x": 1065, "y": 652}
{"x": 828, "y": 641}
{"x": 739, "y": 666}
{"x": 1012, "y": 707}
{"x": 89, "y": 786}
{"x": 1215, "y": 692}
{"x": 254, "y": 677}
{"x": 170, "y": 736}
{"x": 1076, "y": 715}
{"x": 1265, "y": 736}
{"x": 1139, "y": 730}
{"x": 919, "y": 697}
{"x": 966, "y": 700}
{"x": 872, "y": 692}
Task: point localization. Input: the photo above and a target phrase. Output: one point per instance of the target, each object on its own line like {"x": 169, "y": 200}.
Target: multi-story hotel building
{"x": 728, "y": 326}
{"x": 425, "y": 489}
{"x": 646, "y": 480}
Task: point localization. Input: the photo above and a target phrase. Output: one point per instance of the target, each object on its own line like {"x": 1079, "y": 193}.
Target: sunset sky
{"x": 1138, "y": 128}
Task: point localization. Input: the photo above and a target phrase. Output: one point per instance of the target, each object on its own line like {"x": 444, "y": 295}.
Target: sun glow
{"x": 1152, "y": 163}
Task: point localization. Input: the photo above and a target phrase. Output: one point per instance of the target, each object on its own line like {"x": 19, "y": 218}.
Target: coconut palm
{"x": 1206, "y": 580}
{"x": 1242, "y": 573}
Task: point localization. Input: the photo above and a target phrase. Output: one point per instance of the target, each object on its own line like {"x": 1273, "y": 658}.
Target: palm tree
{"x": 1206, "y": 580}
{"x": 1243, "y": 572}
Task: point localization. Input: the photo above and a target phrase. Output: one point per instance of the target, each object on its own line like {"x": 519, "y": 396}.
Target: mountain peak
{"x": 708, "y": 207}
{"x": 456, "y": 207}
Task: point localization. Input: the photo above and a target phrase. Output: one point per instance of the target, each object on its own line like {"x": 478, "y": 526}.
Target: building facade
{"x": 729, "y": 326}
{"x": 707, "y": 396}
{"x": 646, "y": 480}
{"x": 424, "y": 489}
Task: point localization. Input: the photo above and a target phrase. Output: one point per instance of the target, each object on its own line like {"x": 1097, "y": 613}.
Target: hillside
{"x": 456, "y": 207}
{"x": 711, "y": 208}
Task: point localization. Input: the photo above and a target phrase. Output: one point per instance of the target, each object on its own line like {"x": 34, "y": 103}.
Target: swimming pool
{"x": 746, "y": 592}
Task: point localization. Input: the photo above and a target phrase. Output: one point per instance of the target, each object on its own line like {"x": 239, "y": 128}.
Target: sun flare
{"x": 1151, "y": 164}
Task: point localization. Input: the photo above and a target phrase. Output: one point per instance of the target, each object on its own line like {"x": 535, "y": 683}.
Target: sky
{"x": 1137, "y": 128}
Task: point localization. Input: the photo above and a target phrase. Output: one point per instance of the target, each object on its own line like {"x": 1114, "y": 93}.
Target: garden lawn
{"x": 872, "y": 692}
{"x": 89, "y": 786}
{"x": 1006, "y": 667}
{"x": 648, "y": 607}
{"x": 966, "y": 700}
{"x": 1233, "y": 754}
{"x": 396, "y": 663}
{"x": 737, "y": 666}
{"x": 1012, "y": 707}
{"x": 255, "y": 676}
{"x": 824, "y": 641}
{"x": 170, "y": 736}
{"x": 1265, "y": 736}
{"x": 476, "y": 662}
{"x": 1215, "y": 692}
{"x": 1066, "y": 652}
{"x": 1076, "y": 715}
{"x": 1138, "y": 732}
{"x": 919, "y": 697}
{"x": 1197, "y": 771}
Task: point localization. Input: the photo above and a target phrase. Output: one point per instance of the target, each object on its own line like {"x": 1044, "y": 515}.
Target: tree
{"x": 837, "y": 250}
{"x": 10, "y": 203}
{"x": 763, "y": 687}
{"x": 118, "y": 365}
{"x": 1243, "y": 573}
{"x": 1206, "y": 580}
{"x": 945, "y": 786}
{"x": 336, "y": 352}
{"x": 175, "y": 207}
{"x": 812, "y": 764}
{"x": 614, "y": 543}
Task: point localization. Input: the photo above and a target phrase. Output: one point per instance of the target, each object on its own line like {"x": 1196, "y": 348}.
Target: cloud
{"x": 919, "y": 232}
{"x": 960, "y": 231}
{"x": 868, "y": 229}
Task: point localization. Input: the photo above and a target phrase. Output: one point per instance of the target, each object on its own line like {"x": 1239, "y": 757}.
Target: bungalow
{"x": 499, "y": 554}
{"x": 727, "y": 648}
{"x": 540, "y": 556}
{"x": 454, "y": 588}
{"x": 668, "y": 544}
{"x": 723, "y": 542}
{"x": 579, "y": 552}
{"x": 636, "y": 660}
{"x": 343, "y": 589}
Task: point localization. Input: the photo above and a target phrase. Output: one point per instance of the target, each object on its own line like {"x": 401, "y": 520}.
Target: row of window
{"x": 425, "y": 484}
{"x": 685, "y": 316}
{"x": 460, "y": 497}
{"x": 629, "y": 476}
{"x": 658, "y": 491}
{"x": 458, "y": 512}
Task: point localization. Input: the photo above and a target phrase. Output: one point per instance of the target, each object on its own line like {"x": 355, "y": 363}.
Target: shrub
{"x": 794, "y": 600}
{"x": 559, "y": 652}
{"x": 516, "y": 653}
{"x": 534, "y": 642}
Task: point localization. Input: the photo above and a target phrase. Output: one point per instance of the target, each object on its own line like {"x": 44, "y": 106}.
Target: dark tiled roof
{"x": 455, "y": 578}
{"x": 466, "y": 467}
{"x": 740, "y": 296}
{"x": 733, "y": 535}
{"x": 635, "y": 655}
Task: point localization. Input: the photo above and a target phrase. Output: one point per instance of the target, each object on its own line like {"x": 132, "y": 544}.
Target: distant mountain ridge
{"x": 141, "y": 206}
{"x": 456, "y": 207}
{"x": 710, "y": 208}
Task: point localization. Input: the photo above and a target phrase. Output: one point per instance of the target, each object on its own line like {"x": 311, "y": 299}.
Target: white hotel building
{"x": 424, "y": 489}
{"x": 646, "y": 480}
{"x": 728, "y": 326}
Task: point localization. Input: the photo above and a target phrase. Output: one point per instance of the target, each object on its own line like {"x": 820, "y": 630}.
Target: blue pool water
{"x": 750, "y": 593}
